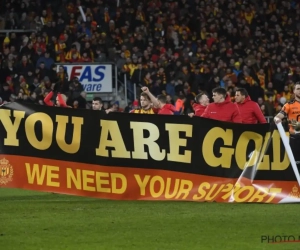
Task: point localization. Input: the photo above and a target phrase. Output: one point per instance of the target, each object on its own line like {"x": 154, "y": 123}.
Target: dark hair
{"x": 243, "y": 91}
{"x": 181, "y": 97}
{"x": 162, "y": 99}
{"x": 198, "y": 97}
{"x": 145, "y": 96}
{"x": 97, "y": 99}
{"x": 220, "y": 91}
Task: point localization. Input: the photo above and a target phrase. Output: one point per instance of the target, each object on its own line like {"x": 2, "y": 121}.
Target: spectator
{"x": 97, "y": 104}
{"x": 222, "y": 109}
{"x": 180, "y": 104}
{"x": 101, "y": 57}
{"x": 130, "y": 108}
{"x": 80, "y": 101}
{"x": 146, "y": 105}
{"x": 138, "y": 75}
{"x": 115, "y": 107}
{"x": 60, "y": 100}
{"x": 5, "y": 93}
{"x": 201, "y": 102}
{"x": 249, "y": 110}
{"x": 46, "y": 59}
{"x": 160, "y": 103}
{"x": 170, "y": 100}
{"x": 75, "y": 88}
{"x": 179, "y": 43}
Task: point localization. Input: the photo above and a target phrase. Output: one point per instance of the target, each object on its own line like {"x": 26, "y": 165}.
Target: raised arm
{"x": 47, "y": 99}
{"x": 153, "y": 99}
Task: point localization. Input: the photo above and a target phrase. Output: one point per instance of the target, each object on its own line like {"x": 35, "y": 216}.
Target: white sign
{"x": 94, "y": 78}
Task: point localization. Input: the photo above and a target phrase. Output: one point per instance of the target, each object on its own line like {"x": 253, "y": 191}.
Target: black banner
{"x": 174, "y": 143}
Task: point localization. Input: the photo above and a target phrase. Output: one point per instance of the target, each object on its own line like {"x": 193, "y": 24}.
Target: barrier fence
{"x": 7, "y": 32}
{"x": 269, "y": 119}
{"x": 141, "y": 157}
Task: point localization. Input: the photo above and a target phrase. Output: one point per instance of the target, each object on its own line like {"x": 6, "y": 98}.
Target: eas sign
{"x": 94, "y": 78}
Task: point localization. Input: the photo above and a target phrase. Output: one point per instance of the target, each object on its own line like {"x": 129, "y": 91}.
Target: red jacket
{"x": 48, "y": 101}
{"x": 198, "y": 109}
{"x": 167, "y": 109}
{"x": 225, "y": 111}
{"x": 250, "y": 112}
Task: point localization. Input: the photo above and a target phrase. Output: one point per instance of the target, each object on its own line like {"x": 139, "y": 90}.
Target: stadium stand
{"x": 176, "y": 48}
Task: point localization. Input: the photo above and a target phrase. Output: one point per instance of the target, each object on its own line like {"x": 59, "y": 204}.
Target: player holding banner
{"x": 291, "y": 111}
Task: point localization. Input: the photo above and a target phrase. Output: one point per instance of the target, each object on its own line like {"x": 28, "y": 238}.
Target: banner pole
{"x": 289, "y": 151}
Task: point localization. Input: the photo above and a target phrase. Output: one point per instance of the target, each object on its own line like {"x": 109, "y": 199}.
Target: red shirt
{"x": 250, "y": 112}
{"x": 167, "y": 109}
{"x": 225, "y": 111}
{"x": 198, "y": 109}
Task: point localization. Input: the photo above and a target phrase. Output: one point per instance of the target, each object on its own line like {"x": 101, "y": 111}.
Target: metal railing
{"x": 269, "y": 118}
{"x": 126, "y": 90}
{"x": 7, "y": 32}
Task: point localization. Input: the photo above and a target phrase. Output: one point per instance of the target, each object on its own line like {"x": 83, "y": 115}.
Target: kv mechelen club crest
{"x": 6, "y": 172}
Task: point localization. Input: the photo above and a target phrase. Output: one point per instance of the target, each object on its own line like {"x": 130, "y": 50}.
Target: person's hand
{"x": 191, "y": 115}
{"x": 295, "y": 124}
{"x": 292, "y": 122}
{"x": 277, "y": 120}
{"x": 108, "y": 111}
{"x": 145, "y": 90}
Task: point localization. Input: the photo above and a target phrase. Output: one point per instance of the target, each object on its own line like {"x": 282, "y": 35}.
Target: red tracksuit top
{"x": 225, "y": 111}
{"x": 251, "y": 112}
{"x": 198, "y": 109}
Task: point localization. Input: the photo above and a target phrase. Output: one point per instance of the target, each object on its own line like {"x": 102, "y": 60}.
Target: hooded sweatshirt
{"x": 225, "y": 111}
{"x": 198, "y": 109}
{"x": 48, "y": 101}
{"x": 167, "y": 109}
{"x": 250, "y": 112}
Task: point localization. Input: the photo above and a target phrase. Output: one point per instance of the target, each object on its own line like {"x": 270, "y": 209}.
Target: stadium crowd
{"x": 176, "y": 48}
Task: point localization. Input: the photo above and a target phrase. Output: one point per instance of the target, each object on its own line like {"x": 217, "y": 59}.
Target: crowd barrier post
{"x": 116, "y": 80}
{"x": 134, "y": 91}
{"x": 269, "y": 119}
{"x": 125, "y": 91}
